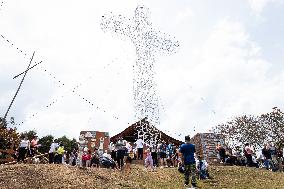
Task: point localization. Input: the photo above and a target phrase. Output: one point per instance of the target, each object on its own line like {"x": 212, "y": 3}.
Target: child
{"x": 128, "y": 161}
{"x": 202, "y": 168}
{"x": 149, "y": 160}
{"x": 95, "y": 162}
{"x": 86, "y": 157}
{"x": 176, "y": 158}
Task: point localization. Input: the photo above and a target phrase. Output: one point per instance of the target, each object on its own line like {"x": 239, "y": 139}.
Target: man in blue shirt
{"x": 188, "y": 160}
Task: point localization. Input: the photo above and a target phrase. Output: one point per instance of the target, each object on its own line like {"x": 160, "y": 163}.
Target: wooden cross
{"x": 25, "y": 73}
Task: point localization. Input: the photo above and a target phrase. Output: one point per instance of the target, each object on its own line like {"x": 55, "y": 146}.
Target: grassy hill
{"x": 60, "y": 176}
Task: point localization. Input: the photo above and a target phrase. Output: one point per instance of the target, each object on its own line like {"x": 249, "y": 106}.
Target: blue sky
{"x": 229, "y": 63}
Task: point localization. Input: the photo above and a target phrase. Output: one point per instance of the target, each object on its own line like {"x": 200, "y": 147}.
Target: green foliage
{"x": 68, "y": 144}
{"x": 9, "y": 138}
{"x": 45, "y": 143}
{"x": 30, "y": 134}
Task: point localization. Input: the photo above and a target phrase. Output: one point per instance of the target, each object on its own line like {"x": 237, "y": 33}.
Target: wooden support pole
{"x": 19, "y": 87}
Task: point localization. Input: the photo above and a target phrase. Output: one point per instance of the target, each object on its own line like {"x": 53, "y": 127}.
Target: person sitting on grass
{"x": 202, "y": 168}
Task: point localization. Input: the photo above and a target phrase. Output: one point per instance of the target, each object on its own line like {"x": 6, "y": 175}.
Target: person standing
{"x": 34, "y": 146}
{"x": 188, "y": 150}
{"x": 154, "y": 155}
{"x": 162, "y": 147}
{"x": 222, "y": 152}
{"x": 23, "y": 148}
{"x": 120, "y": 151}
{"x": 273, "y": 152}
{"x": 54, "y": 145}
{"x": 60, "y": 151}
{"x": 139, "y": 146}
{"x": 267, "y": 156}
{"x": 248, "y": 154}
{"x": 149, "y": 160}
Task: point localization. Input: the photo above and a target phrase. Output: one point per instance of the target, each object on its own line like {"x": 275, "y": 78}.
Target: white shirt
{"x": 24, "y": 143}
{"x": 107, "y": 155}
{"x": 139, "y": 143}
{"x": 254, "y": 159}
{"x": 204, "y": 165}
{"x": 128, "y": 146}
{"x": 53, "y": 147}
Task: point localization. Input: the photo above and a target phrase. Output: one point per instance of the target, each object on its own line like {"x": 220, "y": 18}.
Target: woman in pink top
{"x": 248, "y": 154}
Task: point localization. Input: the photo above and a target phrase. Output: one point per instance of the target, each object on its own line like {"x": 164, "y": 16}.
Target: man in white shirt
{"x": 54, "y": 145}
{"x": 139, "y": 146}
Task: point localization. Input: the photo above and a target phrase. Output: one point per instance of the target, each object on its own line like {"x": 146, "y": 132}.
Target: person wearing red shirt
{"x": 86, "y": 159}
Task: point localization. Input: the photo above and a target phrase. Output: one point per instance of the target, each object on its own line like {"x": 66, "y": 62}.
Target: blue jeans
{"x": 268, "y": 164}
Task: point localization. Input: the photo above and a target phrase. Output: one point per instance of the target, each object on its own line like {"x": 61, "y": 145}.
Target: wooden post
{"x": 19, "y": 87}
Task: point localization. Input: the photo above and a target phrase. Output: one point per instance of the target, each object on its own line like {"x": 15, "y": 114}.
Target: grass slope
{"x": 60, "y": 176}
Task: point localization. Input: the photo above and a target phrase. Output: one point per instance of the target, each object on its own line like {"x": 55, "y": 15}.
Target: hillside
{"x": 56, "y": 176}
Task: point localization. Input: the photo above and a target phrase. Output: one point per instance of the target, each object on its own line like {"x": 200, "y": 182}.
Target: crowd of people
{"x": 268, "y": 157}
{"x": 121, "y": 154}
{"x": 26, "y": 148}
{"x": 164, "y": 154}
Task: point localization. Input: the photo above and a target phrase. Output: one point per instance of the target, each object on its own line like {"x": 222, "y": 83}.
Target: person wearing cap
{"x": 188, "y": 150}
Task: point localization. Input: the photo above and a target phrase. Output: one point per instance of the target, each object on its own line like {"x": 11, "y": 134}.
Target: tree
{"x": 30, "y": 134}
{"x": 255, "y": 130}
{"x": 69, "y": 145}
{"x": 9, "y": 138}
{"x": 273, "y": 122}
{"x": 45, "y": 142}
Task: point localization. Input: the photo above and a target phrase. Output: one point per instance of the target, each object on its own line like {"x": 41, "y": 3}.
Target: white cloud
{"x": 258, "y": 6}
{"x": 218, "y": 72}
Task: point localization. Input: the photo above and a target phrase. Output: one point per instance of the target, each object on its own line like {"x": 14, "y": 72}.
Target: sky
{"x": 229, "y": 63}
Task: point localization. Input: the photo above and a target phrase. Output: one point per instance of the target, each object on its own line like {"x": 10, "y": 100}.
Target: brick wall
{"x": 205, "y": 144}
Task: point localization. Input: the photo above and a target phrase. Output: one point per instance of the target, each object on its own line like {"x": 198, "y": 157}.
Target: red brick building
{"x": 94, "y": 139}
